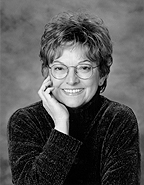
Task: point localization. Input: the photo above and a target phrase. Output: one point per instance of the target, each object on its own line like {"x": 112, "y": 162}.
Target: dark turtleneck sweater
{"x": 102, "y": 147}
{"x": 81, "y": 117}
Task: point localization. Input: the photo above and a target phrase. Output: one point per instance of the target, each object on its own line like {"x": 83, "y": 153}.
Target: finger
{"x": 49, "y": 89}
{"x": 46, "y": 85}
{"x": 46, "y": 100}
{"x": 45, "y": 93}
{"x": 47, "y": 79}
{"x": 41, "y": 94}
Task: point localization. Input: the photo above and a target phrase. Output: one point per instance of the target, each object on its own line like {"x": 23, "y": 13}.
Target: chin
{"x": 73, "y": 104}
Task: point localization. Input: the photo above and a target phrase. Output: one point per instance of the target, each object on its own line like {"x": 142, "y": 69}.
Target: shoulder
{"x": 29, "y": 110}
{"x": 116, "y": 108}
{"x": 33, "y": 114}
{"x": 118, "y": 115}
{"x": 118, "y": 120}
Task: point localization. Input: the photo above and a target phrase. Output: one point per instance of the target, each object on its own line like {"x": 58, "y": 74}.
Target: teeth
{"x": 72, "y": 91}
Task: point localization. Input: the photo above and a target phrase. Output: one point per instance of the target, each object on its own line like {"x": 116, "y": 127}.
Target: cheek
{"x": 92, "y": 86}
{"x": 91, "y": 89}
{"x": 56, "y": 83}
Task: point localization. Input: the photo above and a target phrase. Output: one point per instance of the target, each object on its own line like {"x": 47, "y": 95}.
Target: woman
{"x": 74, "y": 135}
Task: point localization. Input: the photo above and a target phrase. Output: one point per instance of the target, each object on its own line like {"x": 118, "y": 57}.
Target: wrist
{"x": 62, "y": 126}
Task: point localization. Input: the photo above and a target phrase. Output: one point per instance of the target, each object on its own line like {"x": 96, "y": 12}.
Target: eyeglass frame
{"x": 93, "y": 67}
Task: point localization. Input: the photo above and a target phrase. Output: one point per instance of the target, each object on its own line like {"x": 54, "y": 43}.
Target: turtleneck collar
{"x": 94, "y": 101}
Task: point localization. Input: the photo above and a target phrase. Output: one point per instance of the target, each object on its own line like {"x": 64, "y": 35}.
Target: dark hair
{"x": 68, "y": 29}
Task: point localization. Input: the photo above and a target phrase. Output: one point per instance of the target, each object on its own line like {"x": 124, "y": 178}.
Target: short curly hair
{"x": 78, "y": 28}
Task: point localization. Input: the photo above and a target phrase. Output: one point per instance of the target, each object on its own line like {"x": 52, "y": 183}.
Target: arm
{"x": 34, "y": 161}
{"x": 121, "y": 154}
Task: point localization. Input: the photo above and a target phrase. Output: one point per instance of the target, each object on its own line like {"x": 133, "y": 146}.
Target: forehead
{"x": 71, "y": 54}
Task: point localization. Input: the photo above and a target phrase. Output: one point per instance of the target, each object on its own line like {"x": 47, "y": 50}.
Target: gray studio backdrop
{"x": 22, "y": 25}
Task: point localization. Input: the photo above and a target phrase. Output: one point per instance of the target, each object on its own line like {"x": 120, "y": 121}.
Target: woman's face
{"x": 73, "y": 91}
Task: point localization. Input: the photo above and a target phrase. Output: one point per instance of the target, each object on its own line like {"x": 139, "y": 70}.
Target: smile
{"x": 73, "y": 91}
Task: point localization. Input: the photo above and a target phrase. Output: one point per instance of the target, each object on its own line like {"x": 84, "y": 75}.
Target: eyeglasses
{"x": 83, "y": 71}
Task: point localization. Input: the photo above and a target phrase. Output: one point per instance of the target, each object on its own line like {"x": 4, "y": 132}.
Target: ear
{"x": 101, "y": 80}
{"x": 45, "y": 72}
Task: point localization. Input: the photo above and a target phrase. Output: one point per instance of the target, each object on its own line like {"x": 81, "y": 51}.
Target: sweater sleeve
{"x": 120, "y": 156}
{"x": 35, "y": 162}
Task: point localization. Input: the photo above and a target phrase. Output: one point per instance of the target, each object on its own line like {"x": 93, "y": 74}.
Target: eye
{"x": 84, "y": 68}
{"x": 59, "y": 68}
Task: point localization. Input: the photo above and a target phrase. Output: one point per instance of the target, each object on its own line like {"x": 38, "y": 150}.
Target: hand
{"x": 57, "y": 111}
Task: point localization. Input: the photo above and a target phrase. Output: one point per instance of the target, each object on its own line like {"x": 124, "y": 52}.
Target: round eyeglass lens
{"x": 84, "y": 71}
{"x": 59, "y": 71}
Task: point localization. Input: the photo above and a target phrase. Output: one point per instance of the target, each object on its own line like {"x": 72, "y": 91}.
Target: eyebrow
{"x": 57, "y": 61}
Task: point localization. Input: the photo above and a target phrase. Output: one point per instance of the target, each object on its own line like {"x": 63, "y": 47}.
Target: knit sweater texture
{"x": 102, "y": 147}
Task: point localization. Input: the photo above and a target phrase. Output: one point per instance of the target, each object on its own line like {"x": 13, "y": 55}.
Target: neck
{"x": 85, "y": 106}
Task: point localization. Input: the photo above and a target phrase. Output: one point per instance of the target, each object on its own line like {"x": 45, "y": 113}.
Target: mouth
{"x": 73, "y": 92}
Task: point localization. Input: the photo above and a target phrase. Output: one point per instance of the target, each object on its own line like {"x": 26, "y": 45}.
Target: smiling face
{"x": 73, "y": 91}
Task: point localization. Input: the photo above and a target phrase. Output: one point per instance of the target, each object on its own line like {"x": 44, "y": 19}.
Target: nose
{"x": 72, "y": 78}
